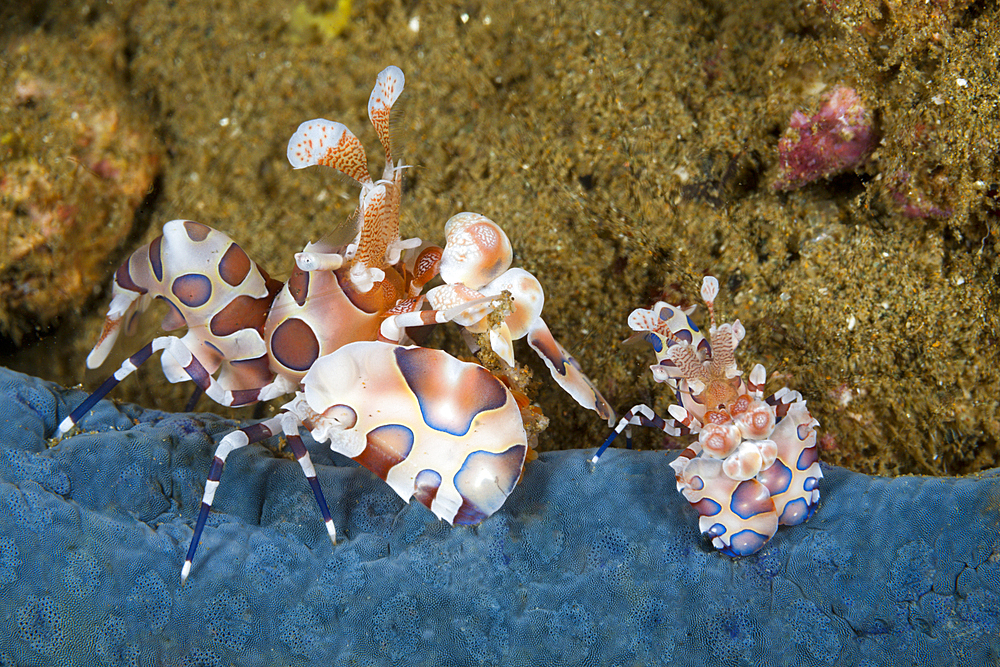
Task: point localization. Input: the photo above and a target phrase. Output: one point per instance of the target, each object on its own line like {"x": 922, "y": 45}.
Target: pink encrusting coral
{"x": 838, "y": 138}
{"x": 914, "y": 201}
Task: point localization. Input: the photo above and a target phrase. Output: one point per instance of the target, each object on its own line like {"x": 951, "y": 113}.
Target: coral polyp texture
{"x": 575, "y": 568}
{"x": 755, "y": 462}
{"x": 837, "y": 138}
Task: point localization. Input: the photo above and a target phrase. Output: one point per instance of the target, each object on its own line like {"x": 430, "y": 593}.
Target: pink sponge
{"x": 838, "y": 138}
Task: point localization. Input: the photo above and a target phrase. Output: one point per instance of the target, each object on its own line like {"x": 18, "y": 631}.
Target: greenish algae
{"x": 328, "y": 25}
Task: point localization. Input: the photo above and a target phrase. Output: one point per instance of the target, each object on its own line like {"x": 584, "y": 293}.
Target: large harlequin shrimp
{"x": 754, "y": 465}
{"x": 341, "y": 294}
{"x": 455, "y": 472}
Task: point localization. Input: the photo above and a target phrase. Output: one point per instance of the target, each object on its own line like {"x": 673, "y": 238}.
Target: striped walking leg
{"x": 128, "y": 367}
{"x": 233, "y": 441}
{"x": 290, "y": 427}
{"x": 639, "y": 415}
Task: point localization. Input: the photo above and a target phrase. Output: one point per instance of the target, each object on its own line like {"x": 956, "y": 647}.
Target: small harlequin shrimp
{"x": 754, "y": 465}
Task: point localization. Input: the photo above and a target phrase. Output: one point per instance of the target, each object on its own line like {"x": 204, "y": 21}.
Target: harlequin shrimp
{"x": 446, "y": 432}
{"x": 754, "y": 465}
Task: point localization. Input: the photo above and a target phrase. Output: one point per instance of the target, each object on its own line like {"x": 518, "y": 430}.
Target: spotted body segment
{"x": 210, "y": 286}
{"x": 317, "y": 312}
{"x": 737, "y": 515}
{"x": 793, "y": 480}
{"x": 434, "y": 428}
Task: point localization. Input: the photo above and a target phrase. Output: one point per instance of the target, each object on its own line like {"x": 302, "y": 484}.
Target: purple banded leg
{"x": 208, "y": 384}
{"x": 194, "y": 368}
{"x": 233, "y": 441}
{"x": 203, "y": 379}
{"x": 639, "y": 415}
{"x": 394, "y": 326}
{"x": 290, "y": 427}
{"x": 128, "y": 367}
{"x": 193, "y": 401}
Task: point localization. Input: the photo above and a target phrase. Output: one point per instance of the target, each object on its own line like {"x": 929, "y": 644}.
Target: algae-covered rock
{"x": 76, "y": 162}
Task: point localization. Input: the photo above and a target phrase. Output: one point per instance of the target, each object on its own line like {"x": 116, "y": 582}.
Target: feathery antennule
{"x": 388, "y": 87}
{"x": 331, "y": 144}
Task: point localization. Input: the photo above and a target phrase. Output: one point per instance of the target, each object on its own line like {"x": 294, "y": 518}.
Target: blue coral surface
{"x": 580, "y": 567}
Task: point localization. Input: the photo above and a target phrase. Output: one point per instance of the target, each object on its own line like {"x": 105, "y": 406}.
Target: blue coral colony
{"x": 450, "y": 434}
